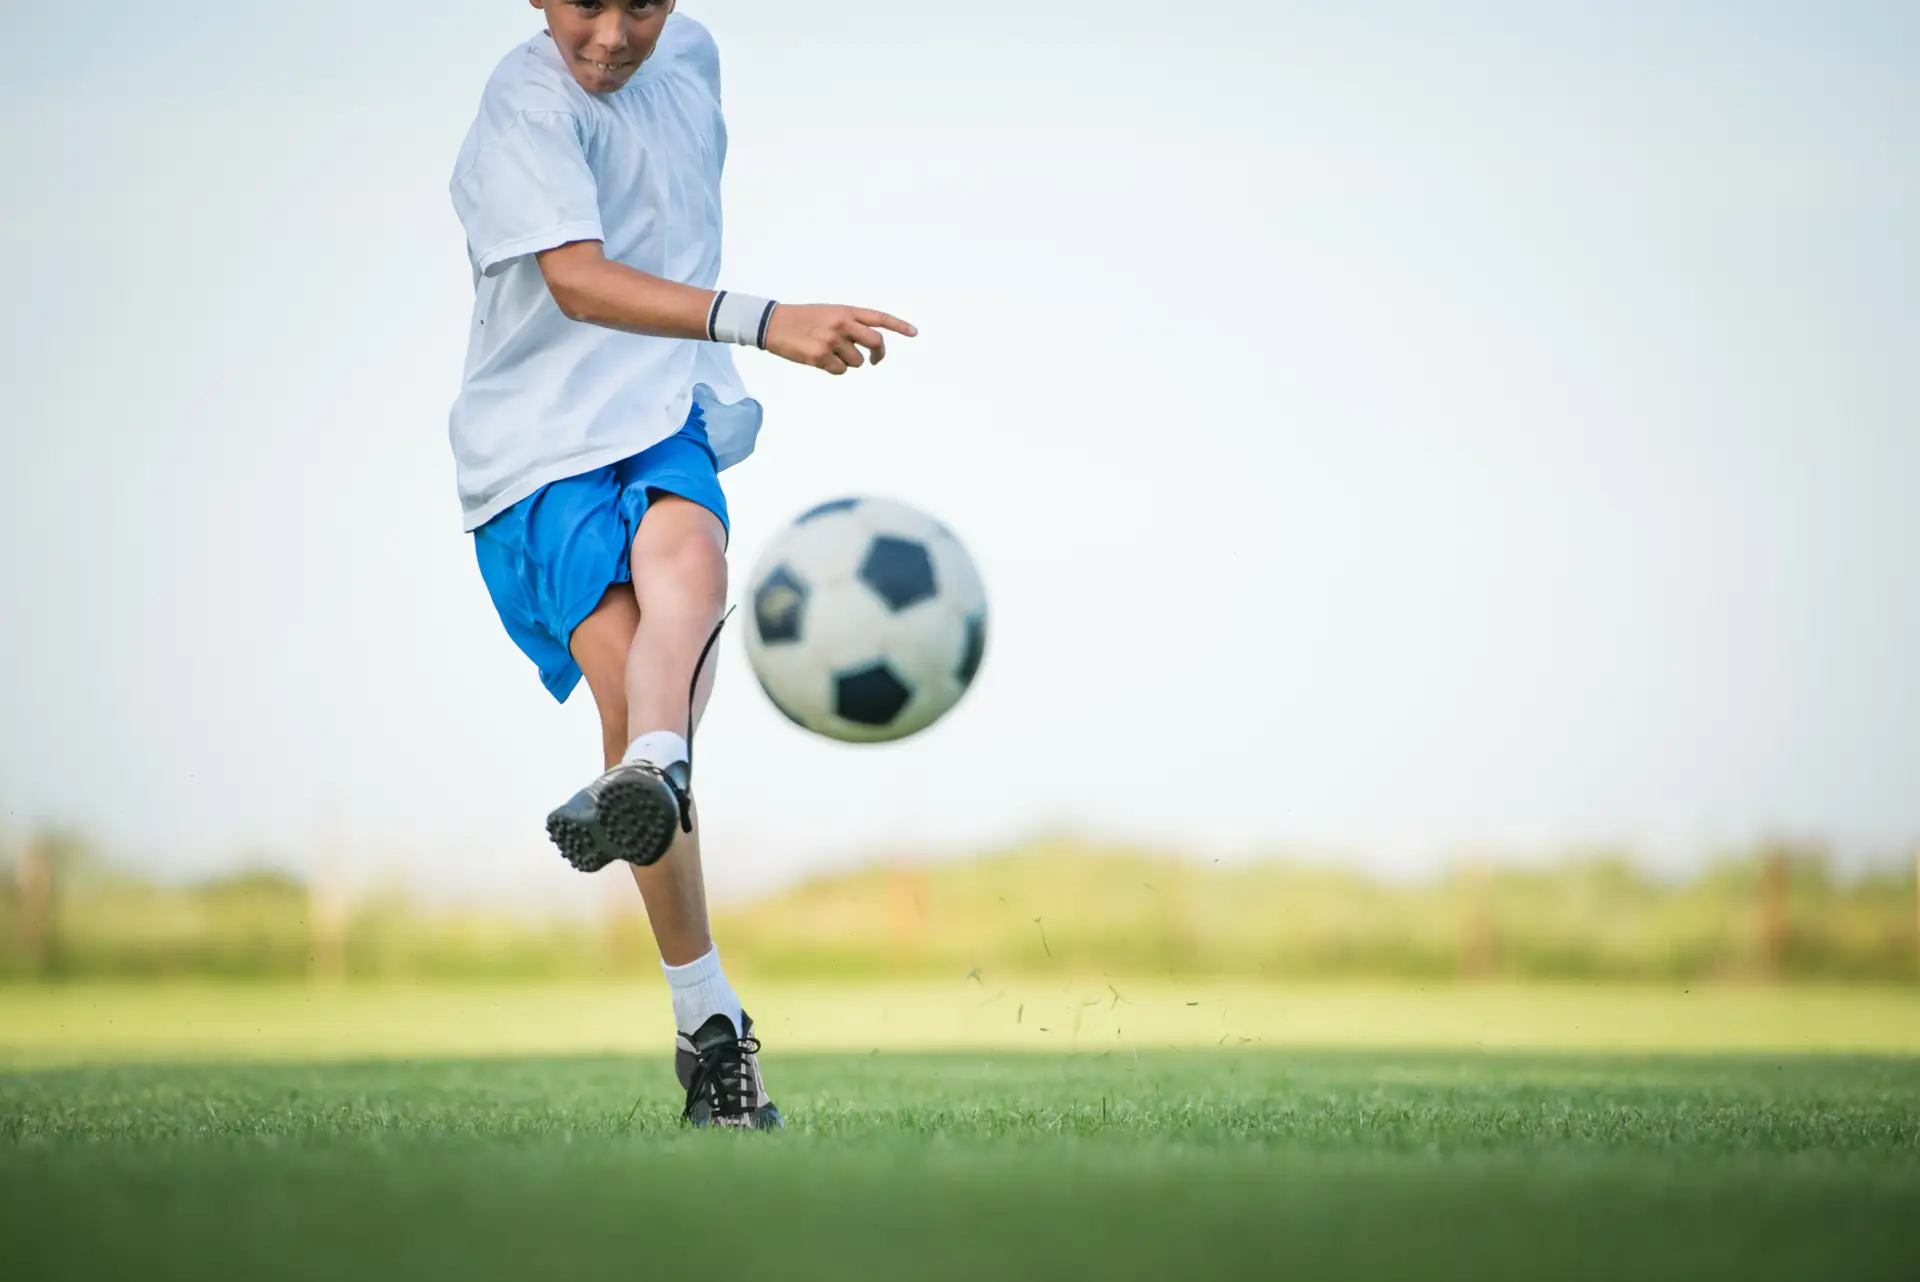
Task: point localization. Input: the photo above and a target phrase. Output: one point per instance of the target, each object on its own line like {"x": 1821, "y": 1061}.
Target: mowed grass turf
{"x": 972, "y": 1166}
{"x": 53, "y": 1025}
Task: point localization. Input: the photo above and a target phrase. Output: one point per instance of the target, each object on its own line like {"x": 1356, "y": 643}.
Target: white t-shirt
{"x": 545, "y": 164}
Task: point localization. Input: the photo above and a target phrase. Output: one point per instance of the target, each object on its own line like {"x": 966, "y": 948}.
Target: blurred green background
{"x": 1775, "y": 912}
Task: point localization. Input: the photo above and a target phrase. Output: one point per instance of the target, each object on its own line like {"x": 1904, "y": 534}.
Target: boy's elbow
{"x": 571, "y": 286}
{"x": 572, "y": 302}
{"x": 569, "y": 274}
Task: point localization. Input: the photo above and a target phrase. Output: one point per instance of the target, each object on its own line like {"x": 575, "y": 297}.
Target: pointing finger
{"x": 880, "y": 320}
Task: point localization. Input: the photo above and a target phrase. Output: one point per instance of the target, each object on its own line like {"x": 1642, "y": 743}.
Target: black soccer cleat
{"x": 720, "y": 1070}
{"x": 631, "y": 812}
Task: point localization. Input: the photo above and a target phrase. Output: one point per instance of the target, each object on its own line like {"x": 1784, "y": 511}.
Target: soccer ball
{"x": 868, "y": 621}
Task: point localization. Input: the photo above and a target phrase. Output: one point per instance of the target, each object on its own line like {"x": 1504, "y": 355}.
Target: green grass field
{"x": 445, "y": 1159}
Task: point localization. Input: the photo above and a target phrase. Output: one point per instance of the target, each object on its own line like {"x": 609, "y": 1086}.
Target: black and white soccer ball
{"x": 869, "y": 621}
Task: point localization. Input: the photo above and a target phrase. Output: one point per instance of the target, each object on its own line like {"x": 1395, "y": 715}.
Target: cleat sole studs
{"x": 640, "y": 821}
{"x": 576, "y": 843}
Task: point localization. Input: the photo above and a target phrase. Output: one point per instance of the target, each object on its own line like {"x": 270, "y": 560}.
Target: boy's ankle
{"x": 660, "y": 748}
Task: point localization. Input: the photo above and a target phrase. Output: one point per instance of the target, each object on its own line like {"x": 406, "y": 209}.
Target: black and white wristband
{"x": 741, "y": 319}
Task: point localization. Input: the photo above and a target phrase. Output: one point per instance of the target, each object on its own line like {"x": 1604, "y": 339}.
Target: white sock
{"x": 701, "y": 991}
{"x": 662, "y": 748}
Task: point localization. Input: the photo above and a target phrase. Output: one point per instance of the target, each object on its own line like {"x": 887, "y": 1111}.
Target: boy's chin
{"x": 595, "y": 81}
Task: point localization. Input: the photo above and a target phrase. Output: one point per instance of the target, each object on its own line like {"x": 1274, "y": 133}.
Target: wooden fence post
{"x": 1776, "y": 924}
{"x": 36, "y": 906}
{"x": 327, "y": 906}
{"x": 907, "y": 883}
{"x": 1479, "y": 946}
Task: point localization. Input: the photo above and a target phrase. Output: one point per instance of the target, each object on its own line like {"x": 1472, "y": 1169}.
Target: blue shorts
{"x": 550, "y": 558}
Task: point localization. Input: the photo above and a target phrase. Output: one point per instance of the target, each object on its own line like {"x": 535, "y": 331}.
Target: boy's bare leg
{"x": 680, "y": 584}
{"x": 680, "y": 587}
{"x": 639, "y": 650}
{"x": 674, "y": 889}
{"x": 617, "y": 654}
{"x": 600, "y": 646}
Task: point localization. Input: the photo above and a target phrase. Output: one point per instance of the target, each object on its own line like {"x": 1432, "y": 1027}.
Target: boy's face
{"x": 605, "y": 41}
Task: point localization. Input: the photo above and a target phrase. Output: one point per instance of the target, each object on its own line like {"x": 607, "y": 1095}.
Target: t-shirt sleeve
{"x": 526, "y": 190}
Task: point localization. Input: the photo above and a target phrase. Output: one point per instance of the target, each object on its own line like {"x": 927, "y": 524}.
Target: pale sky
{"x": 1384, "y": 428}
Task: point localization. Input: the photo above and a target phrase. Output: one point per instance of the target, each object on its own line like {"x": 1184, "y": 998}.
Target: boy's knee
{"x": 688, "y": 569}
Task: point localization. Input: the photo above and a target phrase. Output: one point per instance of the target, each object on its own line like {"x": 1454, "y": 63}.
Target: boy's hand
{"x": 830, "y": 337}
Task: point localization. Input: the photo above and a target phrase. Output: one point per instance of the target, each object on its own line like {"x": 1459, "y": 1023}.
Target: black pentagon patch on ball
{"x": 870, "y": 696}
{"x": 827, "y": 509}
{"x": 779, "y": 607}
{"x": 900, "y": 571}
{"x": 975, "y": 652}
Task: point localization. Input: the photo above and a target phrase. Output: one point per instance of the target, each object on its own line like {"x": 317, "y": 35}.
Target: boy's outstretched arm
{"x": 591, "y": 288}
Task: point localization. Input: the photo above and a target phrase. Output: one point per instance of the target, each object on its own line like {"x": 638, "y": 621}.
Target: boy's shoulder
{"x": 530, "y": 78}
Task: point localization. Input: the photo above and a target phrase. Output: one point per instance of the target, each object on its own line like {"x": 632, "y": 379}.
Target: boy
{"x": 598, "y": 406}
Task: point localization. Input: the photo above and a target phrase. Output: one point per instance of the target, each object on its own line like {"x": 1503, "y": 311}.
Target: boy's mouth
{"x": 611, "y": 68}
